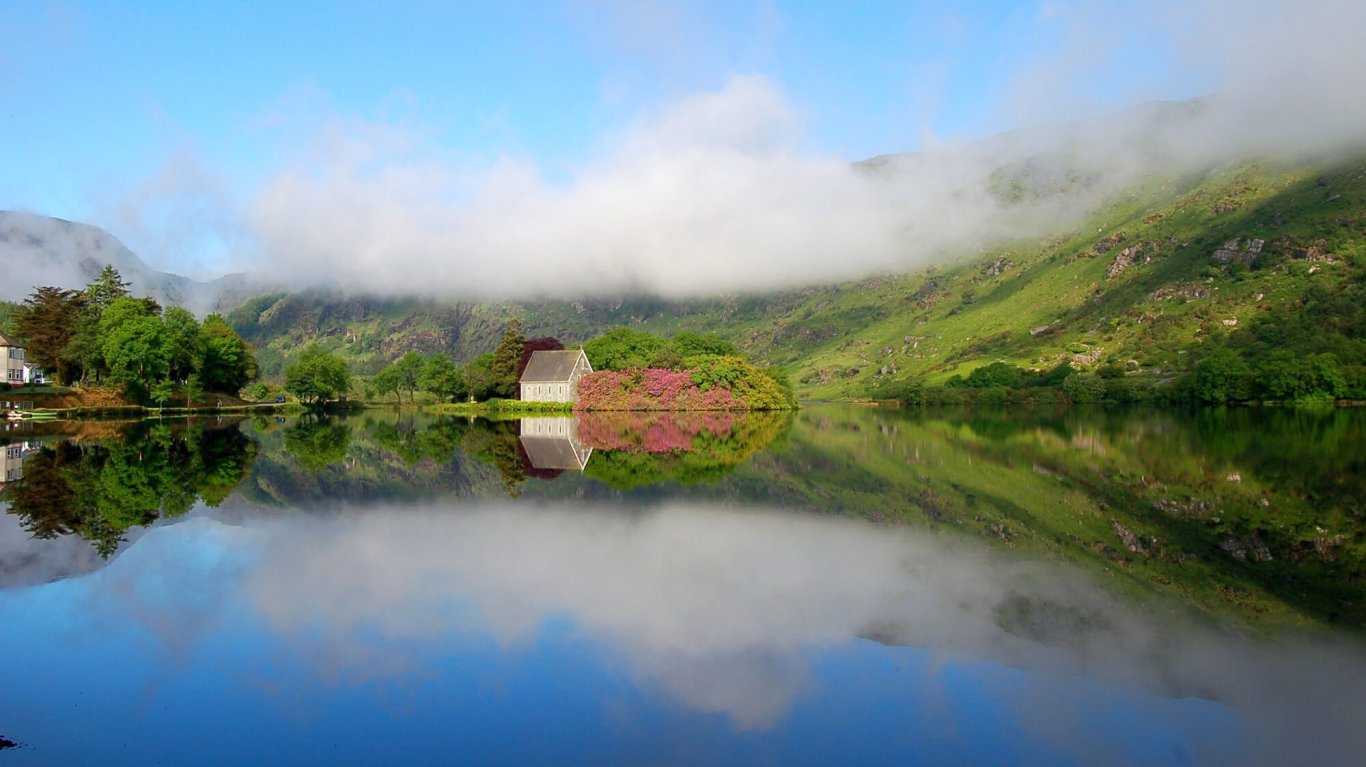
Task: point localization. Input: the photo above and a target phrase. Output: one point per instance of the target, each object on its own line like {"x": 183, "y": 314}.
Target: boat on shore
{"x": 30, "y": 415}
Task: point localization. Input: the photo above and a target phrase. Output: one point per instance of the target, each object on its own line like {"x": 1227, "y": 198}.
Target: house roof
{"x": 7, "y": 341}
{"x": 551, "y": 366}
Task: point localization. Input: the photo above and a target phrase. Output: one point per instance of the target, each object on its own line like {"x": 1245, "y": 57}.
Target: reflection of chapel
{"x": 553, "y": 443}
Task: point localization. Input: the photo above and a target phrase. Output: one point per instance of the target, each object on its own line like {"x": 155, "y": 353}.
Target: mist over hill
{"x": 39, "y": 250}
{"x": 1134, "y": 240}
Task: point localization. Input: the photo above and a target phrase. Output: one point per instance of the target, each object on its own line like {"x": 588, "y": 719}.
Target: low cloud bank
{"x": 719, "y": 194}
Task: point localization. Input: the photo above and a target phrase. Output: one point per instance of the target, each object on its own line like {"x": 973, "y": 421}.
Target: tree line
{"x": 319, "y": 375}
{"x": 104, "y": 335}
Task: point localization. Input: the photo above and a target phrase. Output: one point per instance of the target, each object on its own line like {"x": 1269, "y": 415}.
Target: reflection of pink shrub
{"x": 651, "y": 432}
{"x": 651, "y": 389}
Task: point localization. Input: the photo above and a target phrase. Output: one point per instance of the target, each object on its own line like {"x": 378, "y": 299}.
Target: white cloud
{"x": 718, "y": 193}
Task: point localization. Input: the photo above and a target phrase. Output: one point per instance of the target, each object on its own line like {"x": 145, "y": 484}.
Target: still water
{"x": 843, "y": 586}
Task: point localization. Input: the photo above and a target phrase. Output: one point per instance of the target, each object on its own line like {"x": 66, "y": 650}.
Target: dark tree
{"x": 46, "y": 322}
{"x": 506, "y": 358}
{"x": 542, "y": 344}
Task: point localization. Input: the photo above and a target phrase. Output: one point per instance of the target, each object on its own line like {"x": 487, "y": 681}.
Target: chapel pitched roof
{"x": 552, "y": 453}
{"x": 550, "y": 366}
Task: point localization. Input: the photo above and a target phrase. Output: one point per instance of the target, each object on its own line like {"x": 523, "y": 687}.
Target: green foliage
{"x": 441, "y": 377}
{"x": 995, "y": 374}
{"x": 403, "y": 375}
{"x": 505, "y": 360}
{"x": 689, "y": 345}
{"x": 479, "y": 378}
{"x": 45, "y": 322}
{"x": 623, "y": 348}
{"x": 258, "y": 391}
{"x": 1221, "y": 377}
{"x": 1084, "y": 387}
{"x": 185, "y": 343}
{"x": 98, "y": 491}
{"x": 228, "y": 362}
{"x": 135, "y": 345}
{"x": 7, "y": 312}
{"x": 758, "y": 388}
{"x": 1284, "y": 375}
{"x": 107, "y": 287}
{"x": 317, "y": 376}
{"x": 317, "y": 441}
{"x": 385, "y": 382}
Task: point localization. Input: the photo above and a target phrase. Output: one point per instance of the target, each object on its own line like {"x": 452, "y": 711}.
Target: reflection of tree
{"x": 99, "y": 491}
{"x": 316, "y": 441}
{"x": 641, "y": 448}
{"x": 496, "y": 443}
{"x": 402, "y": 439}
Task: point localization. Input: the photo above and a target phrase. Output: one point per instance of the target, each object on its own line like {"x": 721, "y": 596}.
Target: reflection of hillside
{"x": 1207, "y": 507}
{"x": 378, "y": 456}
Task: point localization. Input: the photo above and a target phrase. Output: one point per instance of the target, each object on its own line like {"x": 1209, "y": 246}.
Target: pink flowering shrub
{"x": 651, "y": 389}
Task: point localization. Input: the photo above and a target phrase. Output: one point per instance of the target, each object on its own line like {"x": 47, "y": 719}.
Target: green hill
{"x": 1151, "y": 281}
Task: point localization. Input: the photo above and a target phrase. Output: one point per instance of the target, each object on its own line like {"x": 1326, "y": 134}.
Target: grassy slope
{"x": 951, "y": 319}
{"x": 846, "y": 340}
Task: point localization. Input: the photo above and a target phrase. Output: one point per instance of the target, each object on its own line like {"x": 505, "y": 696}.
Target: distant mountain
{"x": 39, "y": 250}
{"x": 1264, "y": 252}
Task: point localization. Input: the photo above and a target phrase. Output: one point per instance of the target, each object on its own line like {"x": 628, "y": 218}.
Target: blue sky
{"x": 169, "y": 122}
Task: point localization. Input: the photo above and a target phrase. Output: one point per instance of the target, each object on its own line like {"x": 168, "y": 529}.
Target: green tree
{"x": 622, "y": 348}
{"x": 135, "y": 345}
{"x": 46, "y": 322}
{"x": 1221, "y": 377}
{"x": 1084, "y": 387}
{"x": 185, "y": 340}
{"x": 194, "y": 390}
{"x": 478, "y": 375}
{"x": 317, "y": 442}
{"x": 407, "y": 372}
{"x": 386, "y": 382}
{"x": 441, "y": 377}
{"x": 1285, "y": 375}
{"x": 505, "y": 359}
{"x": 692, "y": 344}
{"x": 995, "y": 374}
{"x": 107, "y": 287}
{"x": 228, "y": 362}
{"x": 317, "y": 376}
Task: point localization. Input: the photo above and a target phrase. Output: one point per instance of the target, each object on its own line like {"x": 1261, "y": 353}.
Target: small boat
{"x": 30, "y": 415}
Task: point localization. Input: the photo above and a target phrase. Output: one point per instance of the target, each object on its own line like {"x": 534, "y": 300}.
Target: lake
{"x": 843, "y": 585}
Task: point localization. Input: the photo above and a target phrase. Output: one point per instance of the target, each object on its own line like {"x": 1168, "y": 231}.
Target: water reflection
{"x": 1204, "y": 506}
{"x": 99, "y": 490}
{"x": 853, "y": 586}
{"x": 713, "y": 635}
{"x": 552, "y": 444}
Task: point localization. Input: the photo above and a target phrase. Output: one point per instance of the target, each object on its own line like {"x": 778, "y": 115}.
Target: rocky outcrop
{"x": 1235, "y": 250}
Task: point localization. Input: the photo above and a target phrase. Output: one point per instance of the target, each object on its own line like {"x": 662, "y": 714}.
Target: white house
{"x": 34, "y": 374}
{"x": 554, "y": 376}
{"x": 12, "y": 358}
